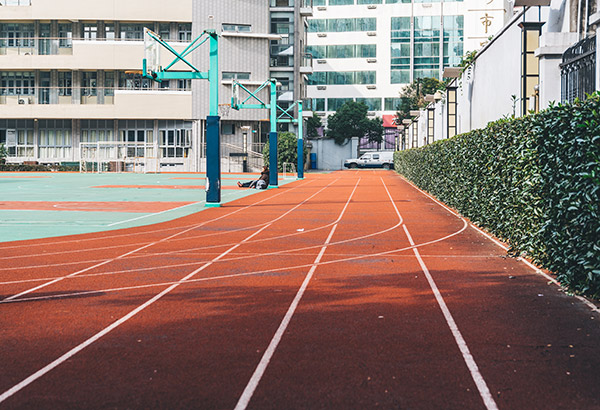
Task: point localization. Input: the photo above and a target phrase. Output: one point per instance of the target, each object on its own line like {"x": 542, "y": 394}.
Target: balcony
{"x": 306, "y": 8}
{"x": 84, "y": 103}
{"x": 307, "y": 64}
{"x": 66, "y": 53}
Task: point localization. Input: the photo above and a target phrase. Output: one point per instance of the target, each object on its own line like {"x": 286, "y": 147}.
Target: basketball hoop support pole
{"x": 300, "y": 170}
{"x": 213, "y": 137}
{"x": 273, "y": 177}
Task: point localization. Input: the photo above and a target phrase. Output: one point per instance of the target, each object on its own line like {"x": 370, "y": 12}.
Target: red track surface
{"x": 303, "y": 297}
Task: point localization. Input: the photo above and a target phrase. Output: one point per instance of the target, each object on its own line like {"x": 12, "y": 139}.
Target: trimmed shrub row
{"x": 37, "y": 168}
{"x": 532, "y": 181}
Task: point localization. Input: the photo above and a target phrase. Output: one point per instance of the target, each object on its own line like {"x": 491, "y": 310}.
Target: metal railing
{"x": 578, "y": 70}
{"x": 64, "y": 95}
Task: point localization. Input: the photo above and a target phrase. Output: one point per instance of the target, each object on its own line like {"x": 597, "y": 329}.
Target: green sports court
{"x": 39, "y": 205}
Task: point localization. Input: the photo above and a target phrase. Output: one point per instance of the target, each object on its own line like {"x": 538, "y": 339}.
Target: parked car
{"x": 380, "y": 159}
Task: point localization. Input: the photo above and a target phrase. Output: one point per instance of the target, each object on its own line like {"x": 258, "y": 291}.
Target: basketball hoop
{"x": 224, "y": 110}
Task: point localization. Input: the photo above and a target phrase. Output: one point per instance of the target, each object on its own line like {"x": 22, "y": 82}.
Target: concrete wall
{"x": 123, "y": 10}
{"x": 331, "y": 156}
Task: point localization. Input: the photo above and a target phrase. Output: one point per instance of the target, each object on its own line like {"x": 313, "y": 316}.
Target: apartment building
{"x": 368, "y": 50}
{"x": 70, "y": 76}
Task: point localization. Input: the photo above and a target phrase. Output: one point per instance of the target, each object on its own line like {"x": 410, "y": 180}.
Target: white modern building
{"x": 368, "y": 50}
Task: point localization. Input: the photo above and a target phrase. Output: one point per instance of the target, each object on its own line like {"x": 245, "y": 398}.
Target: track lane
{"x": 224, "y": 324}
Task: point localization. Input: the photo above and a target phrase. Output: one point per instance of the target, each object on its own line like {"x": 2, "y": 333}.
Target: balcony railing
{"x": 65, "y": 95}
{"x": 578, "y": 70}
{"x": 47, "y": 45}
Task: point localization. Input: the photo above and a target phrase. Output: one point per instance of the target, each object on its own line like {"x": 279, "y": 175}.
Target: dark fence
{"x": 578, "y": 70}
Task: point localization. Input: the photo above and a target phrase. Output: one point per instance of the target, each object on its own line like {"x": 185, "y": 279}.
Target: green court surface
{"x": 40, "y": 205}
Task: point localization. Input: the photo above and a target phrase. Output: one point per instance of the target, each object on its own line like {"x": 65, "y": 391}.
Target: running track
{"x": 350, "y": 290}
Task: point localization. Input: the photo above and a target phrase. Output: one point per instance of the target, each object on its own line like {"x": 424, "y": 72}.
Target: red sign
{"x": 390, "y": 121}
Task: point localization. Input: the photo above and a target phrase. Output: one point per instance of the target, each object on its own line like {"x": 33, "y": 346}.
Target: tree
{"x": 3, "y": 153}
{"x": 287, "y": 150}
{"x": 351, "y": 121}
{"x": 312, "y": 126}
{"x": 413, "y": 95}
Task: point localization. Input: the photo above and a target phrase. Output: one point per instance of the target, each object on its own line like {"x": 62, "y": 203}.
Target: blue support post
{"x": 300, "y": 143}
{"x": 213, "y": 129}
{"x": 273, "y": 173}
{"x": 213, "y": 162}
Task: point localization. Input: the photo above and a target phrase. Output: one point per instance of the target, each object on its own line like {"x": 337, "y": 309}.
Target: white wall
{"x": 331, "y": 156}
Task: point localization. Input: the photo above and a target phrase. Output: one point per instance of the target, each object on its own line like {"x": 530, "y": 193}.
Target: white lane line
{"x": 105, "y": 238}
{"x": 25, "y": 292}
{"x": 27, "y": 381}
{"x": 484, "y": 391}
{"x": 535, "y": 268}
{"x": 154, "y": 214}
{"x": 266, "y": 358}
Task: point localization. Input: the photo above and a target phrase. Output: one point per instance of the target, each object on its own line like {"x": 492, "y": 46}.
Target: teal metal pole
{"x": 213, "y": 129}
{"x": 300, "y": 142}
{"x": 213, "y": 74}
{"x": 273, "y": 177}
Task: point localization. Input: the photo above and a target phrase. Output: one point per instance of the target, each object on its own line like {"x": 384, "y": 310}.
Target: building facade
{"x": 368, "y": 50}
{"x": 70, "y": 77}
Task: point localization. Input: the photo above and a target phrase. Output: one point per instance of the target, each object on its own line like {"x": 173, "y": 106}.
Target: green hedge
{"x": 37, "y": 168}
{"x": 532, "y": 181}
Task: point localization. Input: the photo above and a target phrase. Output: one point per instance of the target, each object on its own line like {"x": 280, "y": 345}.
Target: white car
{"x": 380, "y": 159}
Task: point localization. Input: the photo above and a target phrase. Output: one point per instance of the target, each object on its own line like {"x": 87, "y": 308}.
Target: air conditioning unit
{"x": 371, "y": 60}
{"x": 321, "y": 87}
{"x": 371, "y": 33}
{"x": 371, "y": 6}
{"x": 371, "y": 87}
{"x": 24, "y": 101}
{"x": 321, "y": 35}
{"x": 321, "y": 61}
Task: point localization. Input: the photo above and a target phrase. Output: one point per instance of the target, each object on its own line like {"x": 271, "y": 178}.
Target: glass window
{"x": 17, "y": 83}
{"x": 365, "y": 77}
{"x": 366, "y": 24}
{"x": 340, "y": 2}
{"x": 369, "y": 1}
{"x": 317, "y": 25}
{"x": 373, "y": 104}
{"x": 230, "y": 75}
{"x": 240, "y": 28}
{"x": 55, "y": 139}
{"x": 65, "y": 83}
{"x": 334, "y": 104}
{"x": 164, "y": 31}
{"x": 109, "y": 31}
{"x": 174, "y": 138}
{"x": 132, "y": 31}
{"x": 65, "y": 34}
{"x": 89, "y": 83}
{"x": 109, "y": 83}
{"x": 16, "y": 35}
{"x": 184, "y": 33}
{"x": 316, "y": 51}
{"x": 90, "y": 31}
{"x": 366, "y": 50}
{"x": 391, "y": 104}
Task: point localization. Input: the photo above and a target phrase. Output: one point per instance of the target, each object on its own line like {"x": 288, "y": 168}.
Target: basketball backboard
{"x": 151, "y": 51}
